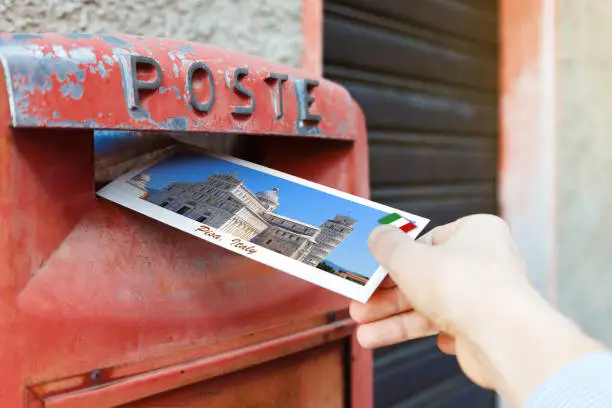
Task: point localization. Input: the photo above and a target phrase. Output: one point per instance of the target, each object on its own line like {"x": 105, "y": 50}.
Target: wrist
{"x": 526, "y": 341}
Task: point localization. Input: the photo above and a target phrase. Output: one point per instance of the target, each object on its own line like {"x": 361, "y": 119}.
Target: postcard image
{"x": 310, "y": 231}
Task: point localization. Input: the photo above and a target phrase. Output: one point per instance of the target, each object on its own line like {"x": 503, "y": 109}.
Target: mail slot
{"x": 102, "y": 307}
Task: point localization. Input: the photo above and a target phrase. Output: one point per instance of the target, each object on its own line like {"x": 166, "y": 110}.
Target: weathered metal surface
{"x": 125, "y": 82}
{"x": 108, "y": 388}
{"x": 90, "y": 292}
{"x": 311, "y": 379}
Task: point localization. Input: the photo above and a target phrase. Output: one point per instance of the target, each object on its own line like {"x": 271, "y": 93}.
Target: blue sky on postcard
{"x": 296, "y": 201}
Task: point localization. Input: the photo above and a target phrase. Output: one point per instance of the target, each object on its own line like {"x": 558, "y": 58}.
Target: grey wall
{"x": 584, "y": 164}
{"x": 268, "y": 28}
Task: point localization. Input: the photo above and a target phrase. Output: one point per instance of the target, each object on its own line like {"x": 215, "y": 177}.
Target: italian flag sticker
{"x": 397, "y": 221}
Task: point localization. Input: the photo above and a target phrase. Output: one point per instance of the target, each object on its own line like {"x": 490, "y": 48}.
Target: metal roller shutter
{"x": 425, "y": 73}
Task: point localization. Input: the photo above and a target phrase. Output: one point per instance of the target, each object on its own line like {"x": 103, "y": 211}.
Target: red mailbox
{"x": 102, "y": 307}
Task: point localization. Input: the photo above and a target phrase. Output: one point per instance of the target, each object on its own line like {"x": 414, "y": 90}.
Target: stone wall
{"x": 584, "y": 164}
{"x": 267, "y": 28}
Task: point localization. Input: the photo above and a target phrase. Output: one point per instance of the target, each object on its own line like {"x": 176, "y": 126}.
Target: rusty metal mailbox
{"x": 101, "y": 307}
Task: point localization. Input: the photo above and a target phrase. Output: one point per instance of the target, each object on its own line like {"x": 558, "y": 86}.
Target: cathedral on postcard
{"x": 223, "y": 202}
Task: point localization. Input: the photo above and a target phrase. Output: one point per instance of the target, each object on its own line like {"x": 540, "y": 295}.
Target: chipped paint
{"x": 75, "y": 91}
{"x": 59, "y": 51}
{"x": 177, "y": 123}
{"x": 25, "y": 37}
{"x": 102, "y": 69}
{"x": 177, "y": 93}
{"x": 79, "y": 36}
{"x": 187, "y": 49}
{"x": 228, "y": 79}
{"x": 90, "y": 123}
{"x": 118, "y": 53}
{"x": 49, "y": 76}
{"x": 116, "y": 41}
{"x": 82, "y": 55}
{"x": 108, "y": 60}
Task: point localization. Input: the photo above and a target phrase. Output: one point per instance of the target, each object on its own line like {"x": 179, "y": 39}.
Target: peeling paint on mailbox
{"x": 56, "y": 80}
{"x": 100, "y": 307}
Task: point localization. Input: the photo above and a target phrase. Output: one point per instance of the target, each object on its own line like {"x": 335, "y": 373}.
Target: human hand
{"x": 465, "y": 282}
{"x": 436, "y": 285}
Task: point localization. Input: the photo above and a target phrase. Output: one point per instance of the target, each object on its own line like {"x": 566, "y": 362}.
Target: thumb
{"x": 411, "y": 265}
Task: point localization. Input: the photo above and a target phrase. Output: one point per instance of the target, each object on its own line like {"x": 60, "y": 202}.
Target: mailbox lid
{"x": 89, "y": 81}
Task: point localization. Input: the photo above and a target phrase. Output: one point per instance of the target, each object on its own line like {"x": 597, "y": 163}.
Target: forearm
{"x": 467, "y": 279}
{"x": 528, "y": 342}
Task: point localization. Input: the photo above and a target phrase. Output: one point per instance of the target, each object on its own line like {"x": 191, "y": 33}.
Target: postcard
{"x": 305, "y": 229}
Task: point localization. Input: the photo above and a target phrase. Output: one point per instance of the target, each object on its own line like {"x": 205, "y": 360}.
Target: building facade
{"x": 288, "y": 237}
{"x": 331, "y": 234}
{"x": 223, "y": 202}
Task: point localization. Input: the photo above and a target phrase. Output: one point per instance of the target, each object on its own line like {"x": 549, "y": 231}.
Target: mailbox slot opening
{"x": 118, "y": 152}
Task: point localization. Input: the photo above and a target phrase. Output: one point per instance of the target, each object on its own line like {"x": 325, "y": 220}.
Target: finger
{"x": 439, "y": 235}
{"x": 382, "y": 304}
{"x": 384, "y": 239}
{"x": 409, "y": 263}
{"x": 395, "y": 329}
{"x": 446, "y": 344}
